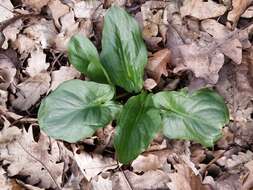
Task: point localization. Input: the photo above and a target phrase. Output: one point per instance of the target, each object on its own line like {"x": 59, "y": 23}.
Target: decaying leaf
{"x": 248, "y": 13}
{"x": 93, "y": 164}
{"x": 201, "y": 9}
{"x": 239, "y": 6}
{"x": 157, "y": 64}
{"x": 63, "y": 74}
{"x": 8, "y": 61}
{"x": 41, "y": 164}
{"x": 5, "y": 13}
{"x": 37, "y": 63}
{"x": 30, "y": 91}
{"x": 149, "y": 180}
{"x": 86, "y": 9}
{"x": 185, "y": 179}
{"x": 8, "y": 134}
{"x": 248, "y": 183}
{"x": 35, "y": 4}
{"x": 149, "y": 84}
{"x": 43, "y": 33}
{"x": 57, "y": 9}
{"x": 24, "y": 44}
{"x": 102, "y": 181}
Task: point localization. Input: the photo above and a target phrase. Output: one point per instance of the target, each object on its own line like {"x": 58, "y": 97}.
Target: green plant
{"x": 76, "y": 109}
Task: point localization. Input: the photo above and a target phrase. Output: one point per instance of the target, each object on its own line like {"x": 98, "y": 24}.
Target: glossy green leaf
{"x": 138, "y": 124}
{"x": 124, "y": 53}
{"x": 199, "y": 116}
{"x": 84, "y": 57}
{"x": 76, "y": 109}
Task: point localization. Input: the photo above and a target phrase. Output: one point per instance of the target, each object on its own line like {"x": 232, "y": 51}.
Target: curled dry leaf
{"x": 10, "y": 32}
{"x": 93, "y": 164}
{"x": 239, "y": 6}
{"x": 248, "y": 183}
{"x": 63, "y": 74}
{"x": 24, "y": 44}
{"x": 43, "y": 33}
{"x": 57, "y": 9}
{"x": 86, "y": 9}
{"x": 248, "y": 13}
{"x": 185, "y": 179}
{"x": 37, "y": 63}
{"x": 8, "y": 134}
{"x": 8, "y": 61}
{"x": 30, "y": 91}
{"x": 149, "y": 84}
{"x": 5, "y": 13}
{"x": 149, "y": 180}
{"x": 26, "y": 157}
{"x": 35, "y": 4}
{"x": 202, "y": 9}
{"x": 157, "y": 64}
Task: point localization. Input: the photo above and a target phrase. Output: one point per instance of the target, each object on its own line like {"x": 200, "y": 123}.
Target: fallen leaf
{"x": 8, "y": 61}
{"x": 63, "y": 74}
{"x": 57, "y": 10}
{"x": 101, "y": 182}
{"x": 24, "y": 44}
{"x": 42, "y": 32}
{"x": 30, "y": 91}
{"x": 5, "y": 9}
{"x": 37, "y": 63}
{"x": 3, "y": 97}
{"x": 86, "y": 9}
{"x": 8, "y": 134}
{"x": 35, "y": 4}
{"x": 39, "y": 161}
{"x": 248, "y": 13}
{"x": 202, "y": 9}
{"x": 248, "y": 183}
{"x": 149, "y": 180}
{"x": 239, "y": 6}
{"x": 11, "y": 32}
{"x": 149, "y": 84}
{"x": 93, "y": 164}
{"x": 185, "y": 179}
{"x": 157, "y": 64}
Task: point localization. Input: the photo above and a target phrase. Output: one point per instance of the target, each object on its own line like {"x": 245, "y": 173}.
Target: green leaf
{"x": 124, "y": 53}
{"x": 199, "y": 116}
{"x": 138, "y": 124}
{"x": 76, "y": 109}
{"x": 84, "y": 57}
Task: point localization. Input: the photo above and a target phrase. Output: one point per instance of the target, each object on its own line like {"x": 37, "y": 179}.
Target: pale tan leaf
{"x": 8, "y": 134}
{"x": 201, "y": 9}
{"x": 248, "y": 13}
{"x": 239, "y": 6}
{"x": 85, "y": 9}
{"x": 26, "y": 157}
{"x": 63, "y": 74}
{"x": 57, "y": 9}
{"x": 149, "y": 84}
{"x": 30, "y": 91}
{"x": 93, "y": 164}
{"x": 248, "y": 183}
{"x": 35, "y": 4}
{"x": 157, "y": 64}
{"x": 101, "y": 182}
{"x": 37, "y": 63}
{"x": 24, "y": 44}
{"x": 5, "y": 13}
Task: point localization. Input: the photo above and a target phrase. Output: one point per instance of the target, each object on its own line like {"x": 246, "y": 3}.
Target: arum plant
{"x": 76, "y": 109}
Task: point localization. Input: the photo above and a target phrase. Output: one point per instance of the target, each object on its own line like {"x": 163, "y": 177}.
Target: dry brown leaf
{"x": 149, "y": 84}
{"x": 185, "y": 179}
{"x": 86, "y": 9}
{"x": 43, "y": 33}
{"x": 63, "y": 74}
{"x": 239, "y": 6}
{"x": 11, "y": 32}
{"x": 157, "y": 64}
{"x": 8, "y": 134}
{"x": 30, "y": 91}
{"x": 24, "y": 44}
{"x": 37, "y": 63}
{"x": 57, "y": 10}
{"x": 8, "y": 61}
{"x": 5, "y": 13}
{"x": 35, "y": 4}
{"x": 101, "y": 181}
{"x": 248, "y": 13}
{"x": 149, "y": 180}
{"x": 40, "y": 161}
{"x": 3, "y": 97}
{"x": 93, "y": 164}
{"x": 202, "y": 9}
{"x": 248, "y": 183}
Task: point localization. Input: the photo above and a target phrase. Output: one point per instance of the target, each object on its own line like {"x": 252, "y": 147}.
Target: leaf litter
{"x": 187, "y": 40}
